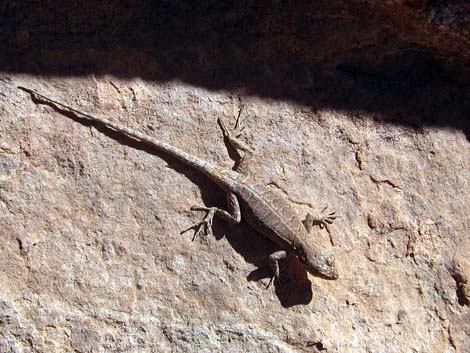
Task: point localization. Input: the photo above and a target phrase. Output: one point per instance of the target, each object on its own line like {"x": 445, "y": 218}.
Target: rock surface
{"x": 358, "y": 105}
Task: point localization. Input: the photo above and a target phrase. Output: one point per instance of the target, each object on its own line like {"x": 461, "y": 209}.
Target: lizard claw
{"x": 239, "y": 124}
{"x": 203, "y": 227}
{"x": 279, "y": 279}
{"x": 276, "y": 268}
{"x": 322, "y": 219}
{"x": 325, "y": 218}
{"x": 270, "y": 282}
{"x": 225, "y": 131}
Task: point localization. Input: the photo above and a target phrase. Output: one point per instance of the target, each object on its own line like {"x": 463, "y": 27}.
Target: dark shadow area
{"x": 365, "y": 58}
{"x": 460, "y": 283}
{"x": 295, "y": 288}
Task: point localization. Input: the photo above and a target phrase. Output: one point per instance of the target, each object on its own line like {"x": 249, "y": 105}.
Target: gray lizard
{"x": 265, "y": 210}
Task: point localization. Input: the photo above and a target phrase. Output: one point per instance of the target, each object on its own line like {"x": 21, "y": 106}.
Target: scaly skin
{"x": 266, "y": 211}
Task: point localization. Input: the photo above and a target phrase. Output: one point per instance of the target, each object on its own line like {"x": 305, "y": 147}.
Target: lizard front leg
{"x": 274, "y": 259}
{"x": 204, "y": 227}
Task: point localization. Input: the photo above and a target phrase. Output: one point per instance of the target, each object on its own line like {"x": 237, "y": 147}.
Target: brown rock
{"x": 361, "y": 106}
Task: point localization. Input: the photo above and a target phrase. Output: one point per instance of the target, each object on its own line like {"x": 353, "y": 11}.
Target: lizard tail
{"x": 218, "y": 176}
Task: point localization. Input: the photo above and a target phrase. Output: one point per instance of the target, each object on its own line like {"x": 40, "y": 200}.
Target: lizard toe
{"x": 203, "y": 227}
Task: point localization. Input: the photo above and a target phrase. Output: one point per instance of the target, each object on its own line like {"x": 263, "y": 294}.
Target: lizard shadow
{"x": 294, "y": 289}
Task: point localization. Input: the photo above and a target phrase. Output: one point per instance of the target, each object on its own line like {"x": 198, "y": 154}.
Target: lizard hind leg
{"x": 204, "y": 227}
{"x": 233, "y": 137}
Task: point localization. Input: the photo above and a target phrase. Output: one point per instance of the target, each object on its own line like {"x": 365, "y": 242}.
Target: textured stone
{"x": 358, "y": 105}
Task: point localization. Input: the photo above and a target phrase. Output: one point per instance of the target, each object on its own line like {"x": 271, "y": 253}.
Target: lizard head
{"x": 319, "y": 264}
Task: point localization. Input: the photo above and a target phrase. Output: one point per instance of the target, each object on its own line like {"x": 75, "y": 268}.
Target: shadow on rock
{"x": 294, "y": 287}
{"x": 367, "y": 59}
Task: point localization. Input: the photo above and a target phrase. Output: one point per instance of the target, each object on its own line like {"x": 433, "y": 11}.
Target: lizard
{"x": 265, "y": 210}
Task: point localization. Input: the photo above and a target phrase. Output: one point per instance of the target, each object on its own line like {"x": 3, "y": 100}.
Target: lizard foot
{"x": 203, "y": 227}
{"x": 232, "y": 135}
{"x": 237, "y": 129}
{"x": 323, "y": 220}
{"x": 274, "y": 259}
{"x": 280, "y": 278}
{"x": 270, "y": 282}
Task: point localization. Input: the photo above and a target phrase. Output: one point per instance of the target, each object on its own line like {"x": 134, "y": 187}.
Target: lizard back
{"x": 269, "y": 213}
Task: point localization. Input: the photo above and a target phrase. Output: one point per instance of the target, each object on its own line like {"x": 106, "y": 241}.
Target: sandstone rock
{"x": 358, "y": 105}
